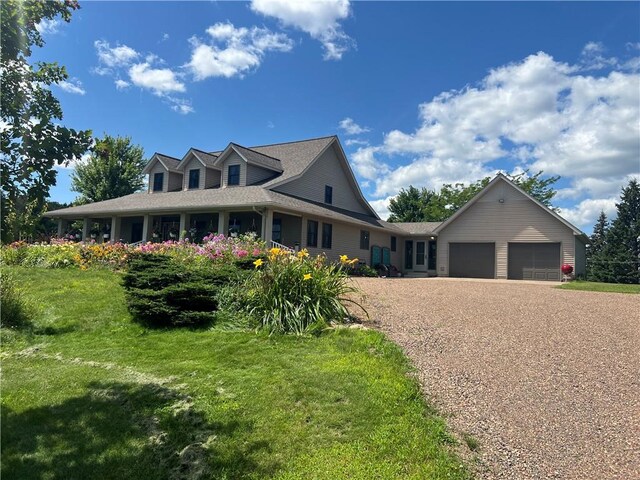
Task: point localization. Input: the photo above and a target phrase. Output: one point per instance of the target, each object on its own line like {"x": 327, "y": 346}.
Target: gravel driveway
{"x": 547, "y": 380}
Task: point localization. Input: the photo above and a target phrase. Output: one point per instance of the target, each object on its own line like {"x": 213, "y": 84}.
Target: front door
{"x": 408, "y": 255}
{"x": 421, "y": 257}
{"x": 431, "y": 256}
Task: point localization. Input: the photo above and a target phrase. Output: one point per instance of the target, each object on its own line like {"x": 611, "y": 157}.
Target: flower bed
{"x": 61, "y": 253}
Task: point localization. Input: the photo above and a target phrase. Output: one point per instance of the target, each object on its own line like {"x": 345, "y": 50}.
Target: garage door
{"x": 534, "y": 261}
{"x": 472, "y": 260}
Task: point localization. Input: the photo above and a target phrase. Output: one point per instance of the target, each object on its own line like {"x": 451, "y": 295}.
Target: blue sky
{"x": 420, "y": 93}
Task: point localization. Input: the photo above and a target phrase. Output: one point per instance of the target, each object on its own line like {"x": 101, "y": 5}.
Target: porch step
{"x": 417, "y": 275}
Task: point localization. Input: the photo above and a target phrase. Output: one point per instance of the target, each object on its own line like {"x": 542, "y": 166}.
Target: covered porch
{"x": 275, "y": 227}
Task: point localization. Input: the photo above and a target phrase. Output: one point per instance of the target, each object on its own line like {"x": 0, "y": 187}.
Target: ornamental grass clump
{"x": 15, "y": 312}
{"x": 296, "y": 293}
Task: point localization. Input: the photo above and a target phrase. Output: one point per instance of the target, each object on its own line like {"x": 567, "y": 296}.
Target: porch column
{"x": 145, "y": 227}
{"x": 115, "y": 229}
{"x": 268, "y": 227}
{"x": 86, "y": 226}
{"x": 303, "y": 238}
{"x": 183, "y": 226}
{"x": 61, "y": 227}
{"x": 223, "y": 218}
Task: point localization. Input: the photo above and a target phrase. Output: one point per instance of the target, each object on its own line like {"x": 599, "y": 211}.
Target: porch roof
{"x": 214, "y": 199}
{"x": 418, "y": 228}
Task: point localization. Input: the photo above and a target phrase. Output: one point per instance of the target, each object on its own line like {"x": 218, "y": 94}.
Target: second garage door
{"x": 472, "y": 260}
{"x": 534, "y": 261}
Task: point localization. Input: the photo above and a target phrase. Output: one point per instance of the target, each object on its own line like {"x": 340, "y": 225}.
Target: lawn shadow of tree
{"x": 126, "y": 430}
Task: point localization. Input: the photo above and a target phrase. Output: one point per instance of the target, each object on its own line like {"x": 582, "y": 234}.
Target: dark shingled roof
{"x": 417, "y": 228}
{"x": 211, "y": 200}
{"x": 259, "y": 159}
{"x": 208, "y": 158}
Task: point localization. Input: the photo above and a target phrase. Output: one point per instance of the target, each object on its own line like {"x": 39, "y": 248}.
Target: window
{"x": 276, "y": 230}
{"x": 234, "y": 175}
{"x": 364, "y": 240}
{"x": 158, "y": 181}
{"x": 328, "y": 194}
{"x": 194, "y": 178}
{"x": 327, "y": 232}
{"x": 312, "y": 233}
{"x": 393, "y": 244}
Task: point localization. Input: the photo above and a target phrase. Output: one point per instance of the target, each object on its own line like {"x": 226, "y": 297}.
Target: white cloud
{"x": 158, "y": 80}
{"x": 233, "y": 51}
{"x": 382, "y": 207}
{"x": 183, "y": 107}
{"x": 165, "y": 37}
{"x": 320, "y": 19}
{"x": 71, "y": 164}
{"x": 587, "y": 211}
{"x": 593, "y": 57}
{"x": 47, "y": 26}
{"x": 355, "y": 141}
{"x": 111, "y": 57}
{"x": 270, "y": 124}
{"x": 72, "y": 86}
{"x": 122, "y": 84}
{"x": 537, "y": 113}
{"x": 352, "y": 128}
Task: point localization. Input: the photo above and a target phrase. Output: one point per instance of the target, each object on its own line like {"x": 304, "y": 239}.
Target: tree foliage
{"x": 618, "y": 260}
{"x": 424, "y": 205}
{"x": 32, "y": 143}
{"x": 596, "y": 249}
{"x": 113, "y": 169}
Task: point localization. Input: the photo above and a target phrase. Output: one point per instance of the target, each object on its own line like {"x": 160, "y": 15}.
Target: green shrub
{"x": 15, "y": 312}
{"x": 162, "y": 292}
{"x": 293, "y": 293}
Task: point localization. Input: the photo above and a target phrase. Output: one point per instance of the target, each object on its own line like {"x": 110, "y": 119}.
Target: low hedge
{"x": 162, "y": 292}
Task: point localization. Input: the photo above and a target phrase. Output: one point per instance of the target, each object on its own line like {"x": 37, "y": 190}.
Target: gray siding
{"x": 175, "y": 182}
{"x": 581, "y": 258}
{"x": 212, "y": 178}
{"x": 192, "y": 164}
{"x": 234, "y": 159}
{"x": 327, "y": 170}
{"x": 158, "y": 168}
{"x": 346, "y": 241}
{"x": 518, "y": 219}
{"x": 258, "y": 174}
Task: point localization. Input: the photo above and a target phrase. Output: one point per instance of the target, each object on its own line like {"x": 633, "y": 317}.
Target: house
{"x": 304, "y": 195}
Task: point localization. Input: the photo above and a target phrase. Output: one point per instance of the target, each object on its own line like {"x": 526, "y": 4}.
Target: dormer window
{"x": 194, "y": 178}
{"x": 158, "y": 181}
{"x": 328, "y": 194}
{"x": 234, "y": 175}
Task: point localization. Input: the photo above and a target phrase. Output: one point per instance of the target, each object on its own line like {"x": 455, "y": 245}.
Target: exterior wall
{"x": 518, "y": 219}
{"x": 191, "y": 165}
{"x": 175, "y": 182}
{"x": 212, "y": 178}
{"x": 234, "y": 159}
{"x": 158, "y": 168}
{"x": 327, "y": 170}
{"x": 346, "y": 241}
{"x": 581, "y": 258}
{"x": 257, "y": 174}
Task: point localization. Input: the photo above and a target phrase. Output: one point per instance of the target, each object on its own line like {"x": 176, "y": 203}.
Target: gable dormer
{"x": 199, "y": 170}
{"x": 242, "y": 167}
{"x": 163, "y": 174}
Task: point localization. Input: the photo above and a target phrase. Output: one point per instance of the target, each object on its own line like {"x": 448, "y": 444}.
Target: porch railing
{"x": 281, "y": 246}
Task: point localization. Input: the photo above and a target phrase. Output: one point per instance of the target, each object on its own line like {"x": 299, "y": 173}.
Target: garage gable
{"x": 502, "y": 214}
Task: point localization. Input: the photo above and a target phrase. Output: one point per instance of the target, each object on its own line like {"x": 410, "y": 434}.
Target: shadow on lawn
{"x": 123, "y": 431}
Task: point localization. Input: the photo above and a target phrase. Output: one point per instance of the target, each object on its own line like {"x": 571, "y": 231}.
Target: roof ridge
{"x": 287, "y": 143}
{"x": 203, "y": 151}
{"x": 165, "y": 155}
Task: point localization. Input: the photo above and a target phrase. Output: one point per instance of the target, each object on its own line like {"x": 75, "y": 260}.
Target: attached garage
{"x": 472, "y": 260}
{"x": 534, "y": 261}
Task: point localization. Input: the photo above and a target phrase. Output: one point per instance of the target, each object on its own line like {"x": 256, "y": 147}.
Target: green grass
{"x": 86, "y": 393}
{"x": 600, "y": 287}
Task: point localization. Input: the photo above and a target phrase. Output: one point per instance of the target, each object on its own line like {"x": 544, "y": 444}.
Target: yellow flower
{"x": 303, "y": 253}
{"x": 353, "y": 262}
{"x": 258, "y": 262}
{"x": 274, "y": 251}
{"x": 306, "y": 276}
{"x": 344, "y": 259}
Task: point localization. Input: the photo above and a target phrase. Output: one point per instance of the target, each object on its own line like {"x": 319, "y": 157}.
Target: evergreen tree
{"x": 622, "y": 249}
{"x": 596, "y": 264}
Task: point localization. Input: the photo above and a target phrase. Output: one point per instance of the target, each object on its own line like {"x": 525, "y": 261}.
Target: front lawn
{"x": 600, "y": 287}
{"x": 89, "y": 394}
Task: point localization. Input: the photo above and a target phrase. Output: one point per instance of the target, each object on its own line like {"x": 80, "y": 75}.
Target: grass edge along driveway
{"x": 90, "y": 394}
